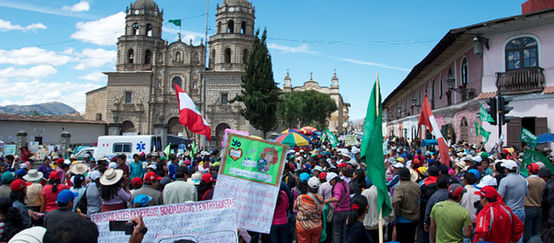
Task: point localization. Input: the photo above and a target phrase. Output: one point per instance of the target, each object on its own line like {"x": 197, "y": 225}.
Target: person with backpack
{"x": 309, "y": 207}
{"x": 341, "y": 203}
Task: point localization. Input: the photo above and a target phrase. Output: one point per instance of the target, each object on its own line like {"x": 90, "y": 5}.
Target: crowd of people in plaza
{"x": 325, "y": 194}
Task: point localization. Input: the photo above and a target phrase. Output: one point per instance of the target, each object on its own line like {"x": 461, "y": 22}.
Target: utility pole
{"x": 204, "y": 100}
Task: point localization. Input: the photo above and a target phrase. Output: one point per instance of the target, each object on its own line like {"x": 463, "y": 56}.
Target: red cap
{"x": 59, "y": 160}
{"x": 322, "y": 176}
{"x": 488, "y": 192}
{"x": 151, "y": 176}
{"x": 54, "y": 175}
{"x": 206, "y": 178}
{"x": 137, "y": 181}
{"x": 341, "y": 165}
{"x": 291, "y": 167}
{"x": 17, "y": 185}
{"x": 533, "y": 168}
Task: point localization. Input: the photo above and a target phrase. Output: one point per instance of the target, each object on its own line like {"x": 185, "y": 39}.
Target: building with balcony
{"x": 507, "y": 56}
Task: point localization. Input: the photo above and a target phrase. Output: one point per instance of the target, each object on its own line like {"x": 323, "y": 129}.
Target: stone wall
{"x": 96, "y": 104}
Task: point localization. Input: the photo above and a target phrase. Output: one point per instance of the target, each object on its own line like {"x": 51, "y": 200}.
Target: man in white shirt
{"x": 180, "y": 191}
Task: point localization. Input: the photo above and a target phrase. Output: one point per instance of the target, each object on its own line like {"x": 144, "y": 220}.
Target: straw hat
{"x": 462, "y": 165}
{"x": 78, "y": 168}
{"x": 111, "y": 176}
{"x": 33, "y": 175}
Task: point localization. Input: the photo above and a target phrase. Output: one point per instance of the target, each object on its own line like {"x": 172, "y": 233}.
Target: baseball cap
{"x": 65, "y": 196}
{"x": 304, "y": 177}
{"x": 151, "y": 176}
{"x": 318, "y": 168}
{"x": 487, "y": 181}
{"x": 17, "y": 185}
{"x": 398, "y": 165}
{"x": 475, "y": 172}
{"x": 400, "y": 159}
{"x": 54, "y": 175}
{"x": 509, "y": 164}
{"x": 323, "y": 176}
{"x": 7, "y": 177}
{"x": 533, "y": 168}
{"x": 341, "y": 165}
{"x": 142, "y": 199}
{"x": 330, "y": 176}
{"x": 136, "y": 182}
{"x": 21, "y": 172}
{"x": 456, "y": 190}
{"x": 488, "y": 192}
{"x": 313, "y": 183}
{"x": 207, "y": 178}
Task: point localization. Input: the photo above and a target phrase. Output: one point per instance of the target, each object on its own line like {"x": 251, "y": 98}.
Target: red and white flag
{"x": 426, "y": 118}
{"x": 189, "y": 115}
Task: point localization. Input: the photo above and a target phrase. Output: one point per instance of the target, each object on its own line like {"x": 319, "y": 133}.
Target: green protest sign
{"x": 253, "y": 159}
{"x": 484, "y": 115}
{"x": 528, "y": 137}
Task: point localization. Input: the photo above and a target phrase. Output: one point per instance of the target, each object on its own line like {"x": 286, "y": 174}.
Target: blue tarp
{"x": 545, "y": 138}
{"x": 427, "y": 142}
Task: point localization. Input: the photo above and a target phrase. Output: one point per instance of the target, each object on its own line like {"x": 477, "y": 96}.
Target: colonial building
{"x": 140, "y": 94}
{"x": 507, "y": 56}
{"x": 338, "y": 121}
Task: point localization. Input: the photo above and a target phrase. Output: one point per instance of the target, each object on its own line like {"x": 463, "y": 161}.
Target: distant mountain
{"x": 43, "y": 109}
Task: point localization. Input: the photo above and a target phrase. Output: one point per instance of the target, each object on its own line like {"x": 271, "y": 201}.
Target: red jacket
{"x": 497, "y": 223}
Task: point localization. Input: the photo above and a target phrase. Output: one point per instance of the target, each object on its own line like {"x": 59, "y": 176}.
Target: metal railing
{"x": 526, "y": 80}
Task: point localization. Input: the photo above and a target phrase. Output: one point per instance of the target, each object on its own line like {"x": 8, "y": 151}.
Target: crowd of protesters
{"x": 325, "y": 194}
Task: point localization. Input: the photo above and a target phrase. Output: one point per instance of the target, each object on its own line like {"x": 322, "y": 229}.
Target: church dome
{"x": 144, "y": 4}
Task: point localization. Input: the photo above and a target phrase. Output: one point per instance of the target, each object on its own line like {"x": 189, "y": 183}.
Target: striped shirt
{"x": 309, "y": 215}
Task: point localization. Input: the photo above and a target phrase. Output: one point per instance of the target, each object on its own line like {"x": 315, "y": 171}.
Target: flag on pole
{"x": 167, "y": 150}
{"x": 176, "y": 22}
{"x": 323, "y": 137}
{"x": 528, "y": 137}
{"x": 193, "y": 148}
{"x": 480, "y": 130}
{"x": 371, "y": 152}
{"x": 484, "y": 115}
{"x": 331, "y": 137}
{"x": 532, "y": 156}
{"x": 189, "y": 115}
{"x": 428, "y": 119}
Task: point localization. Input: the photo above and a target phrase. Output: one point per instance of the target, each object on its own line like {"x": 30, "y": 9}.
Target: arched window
{"x": 218, "y": 27}
{"x": 245, "y": 56}
{"x": 464, "y": 72}
{"x": 130, "y": 56}
{"x": 194, "y": 85}
{"x": 148, "y": 57}
{"x": 148, "y": 30}
{"x": 135, "y": 27}
{"x": 521, "y": 53}
{"x": 243, "y": 27}
{"x": 228, "y": 55}
{"x": 178, "y": 57}
{"x": 230, "y": 26}
{"x": 176, "y": 81}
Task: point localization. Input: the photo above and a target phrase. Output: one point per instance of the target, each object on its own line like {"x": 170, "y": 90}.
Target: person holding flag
{"x": 427, "y": 119}
{"x": 190, "y": 116}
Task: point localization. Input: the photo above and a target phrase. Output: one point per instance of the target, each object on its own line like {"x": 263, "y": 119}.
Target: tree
{"x": 259, "y": 93}
{"x": 302, "y": 108}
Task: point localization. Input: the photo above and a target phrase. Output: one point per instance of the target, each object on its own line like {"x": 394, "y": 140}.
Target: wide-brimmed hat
{"x": 33, "y": 175}
{"x": 78, "y": 168}
{"x": 462, "y": 164}
{"x": 111, "y": 176}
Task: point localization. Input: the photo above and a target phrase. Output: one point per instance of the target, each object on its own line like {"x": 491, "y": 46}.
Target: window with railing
{"x": 521, "y": 53}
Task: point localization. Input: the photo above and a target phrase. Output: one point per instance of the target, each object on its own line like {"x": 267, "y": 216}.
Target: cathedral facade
{"x": 140, "y": 95}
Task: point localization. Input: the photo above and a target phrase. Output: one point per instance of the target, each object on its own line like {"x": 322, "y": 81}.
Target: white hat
{"x": 318, "y": 168}
{"x": 462, "y": 164}
{"x": 30, "y": 235}
{"x": 353, "y": 163}
{"x": 78, "y": 168}
{"x": 345, "y": 154}
{"x": 313, "y": 183}
{"x": 541, "y": 164}
{"x": 355, "y": 150}
{"x": 487, "y": 181}
{"x": 152, "y": 166}
{"x": 196, "y": 178}
{"x": 297, "y": 154}
{"x": 398, "y": 165}
{"x": 509, "y": 164}
{"x": 111, "y": 176}
{"x": 33, "y": 175}
{"x": 94, "y": 175}
{"x": 112, "y": 165}
{"x": 330, "y": 176}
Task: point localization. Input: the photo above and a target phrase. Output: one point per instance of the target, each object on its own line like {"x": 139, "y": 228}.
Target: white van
{"x": 110, "y": 146}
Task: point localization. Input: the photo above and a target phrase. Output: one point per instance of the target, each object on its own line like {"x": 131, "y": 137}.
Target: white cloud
{"x": 291, "y": 49}
{"x": 39, "y": 71}
{"x": 7, "y": 26}
{"x": 21, "y": 5}
{"x": 92, "y": 58}
{"x": 25, "y": 92}
{"x": 103, "y": 31}
{"x": 81, "y": 6}
{"x": 32, "y": 56}
{"x": 94, "y": 77}
{"x": 366, "y": 63}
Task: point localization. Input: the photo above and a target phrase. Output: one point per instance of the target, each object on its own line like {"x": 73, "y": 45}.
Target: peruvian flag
{"x": 189, "y": 115}
{"x": 426, "y": 118}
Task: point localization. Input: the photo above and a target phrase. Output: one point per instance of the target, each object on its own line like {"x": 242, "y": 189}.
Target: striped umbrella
{"x": 289, "y": 130}
{"x": 293, "y": 139}
{"x": 312, "y": 129}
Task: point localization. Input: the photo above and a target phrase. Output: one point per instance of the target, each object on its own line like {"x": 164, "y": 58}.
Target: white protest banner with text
{"x": 206, "y": 221}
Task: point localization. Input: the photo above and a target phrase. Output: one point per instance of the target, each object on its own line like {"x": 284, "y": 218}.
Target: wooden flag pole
{"x": 381, "y": 240}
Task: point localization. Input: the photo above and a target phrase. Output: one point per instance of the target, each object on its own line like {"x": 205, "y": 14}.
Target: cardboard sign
{"x": 350, "y": 140}
{"x": 250, "y": 173}
{"x": 206, "y": 221}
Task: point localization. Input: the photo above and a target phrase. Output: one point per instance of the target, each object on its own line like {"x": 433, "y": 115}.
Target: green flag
{"x": 528, "y": 137}
{"x": 480, "y": 130}
{"x": 193, "y": 148}
{"x": 532, "y": 156}
{"x": 372, "y": 150}
{"x": 176, "y": 22}
{"x": 331, "y": 137}
{"x": 323, "y": 137}
{"x": 167, "y": 150}
{"x": 485, "y": 116}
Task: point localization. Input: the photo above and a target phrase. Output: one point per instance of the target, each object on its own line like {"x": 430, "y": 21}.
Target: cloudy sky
{"x": 57, "y": 50}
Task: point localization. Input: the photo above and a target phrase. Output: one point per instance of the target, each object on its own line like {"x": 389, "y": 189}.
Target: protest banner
{"x": 9, "y": 149}
{"x": 206, "y": 221}
{"x": 250, "y": 173}
{"x": 350, "y": 140}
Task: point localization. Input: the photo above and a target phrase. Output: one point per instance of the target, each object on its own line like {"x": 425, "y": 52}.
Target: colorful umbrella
{"x": 290, "y": 130}
{"x": 293, "y": 139}
{"x": 306, "y": 132}
{"x": 312, "y": 129}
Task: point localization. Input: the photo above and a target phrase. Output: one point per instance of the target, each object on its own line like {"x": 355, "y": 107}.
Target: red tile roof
{"x": 486, "y": 95}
